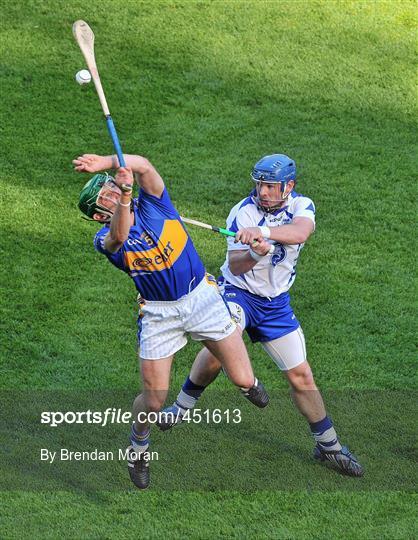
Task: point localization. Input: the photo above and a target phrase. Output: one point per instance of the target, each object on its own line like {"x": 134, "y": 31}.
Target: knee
{"x": 301, "y": 377}
{"x": 212, "y": 364}
{"x": 249, "y": 381}
{"x": 154, "y": 399}
{"x": 241, "y": 379}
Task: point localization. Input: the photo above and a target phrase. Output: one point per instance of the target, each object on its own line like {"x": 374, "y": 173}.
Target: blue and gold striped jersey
{"x": 158, "y": 255}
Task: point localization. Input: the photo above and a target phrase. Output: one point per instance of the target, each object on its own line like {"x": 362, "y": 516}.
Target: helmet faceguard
{"x": 272, "y": 204}
{"x": 275, "y": 169}
{"x": 97, "y": 195}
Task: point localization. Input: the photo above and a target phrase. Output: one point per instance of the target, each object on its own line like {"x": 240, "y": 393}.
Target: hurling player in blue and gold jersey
{"x": 146, "y": 239}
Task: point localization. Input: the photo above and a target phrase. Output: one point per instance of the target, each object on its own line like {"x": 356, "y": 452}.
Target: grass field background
{"x": 204, "y": 89}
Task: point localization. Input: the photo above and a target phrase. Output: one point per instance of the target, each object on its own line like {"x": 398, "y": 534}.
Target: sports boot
{"x": 342, "y": 460}
{"x": 138, "y": 468}
{"x": 257, "y": 394}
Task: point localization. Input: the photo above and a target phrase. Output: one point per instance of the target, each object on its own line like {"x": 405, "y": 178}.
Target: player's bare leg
{"x": 289, "y": 354}
{"x": 232, "y": 354}
{"x": 206, "y": 368}
{"x": 308, "y": 400}
{"x": 155, "y": 375}
{"x": 305, "y": 393}
{"x": 207, "y": 364}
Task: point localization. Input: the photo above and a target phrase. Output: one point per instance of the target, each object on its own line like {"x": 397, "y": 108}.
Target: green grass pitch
{"x": 204, "y": 89}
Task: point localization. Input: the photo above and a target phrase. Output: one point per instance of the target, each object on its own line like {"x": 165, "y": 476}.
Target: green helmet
{"x": 88, "y": 196}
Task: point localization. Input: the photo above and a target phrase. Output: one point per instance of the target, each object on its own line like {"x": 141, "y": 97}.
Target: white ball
{"x": 83, "y": 76}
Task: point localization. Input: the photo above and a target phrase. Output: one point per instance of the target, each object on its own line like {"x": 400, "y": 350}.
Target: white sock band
{"x": 185, "y": 401}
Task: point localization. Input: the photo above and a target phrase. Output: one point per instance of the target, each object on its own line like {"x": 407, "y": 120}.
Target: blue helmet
{"x": 273, "y": 169}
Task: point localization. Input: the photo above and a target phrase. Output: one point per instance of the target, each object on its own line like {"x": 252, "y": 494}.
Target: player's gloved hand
{"x": 90, "y": 163}
{"x": 249, "y": 235}
{"x": 124, "y": 178}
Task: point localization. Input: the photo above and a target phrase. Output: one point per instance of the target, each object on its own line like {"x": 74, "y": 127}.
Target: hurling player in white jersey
{"x": 271, "y": 226}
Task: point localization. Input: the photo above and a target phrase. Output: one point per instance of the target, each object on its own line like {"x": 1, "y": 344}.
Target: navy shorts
{"x": 265, "y": 319}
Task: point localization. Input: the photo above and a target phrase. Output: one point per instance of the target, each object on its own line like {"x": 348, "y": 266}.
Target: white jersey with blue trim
{"x": 275, "y": 273}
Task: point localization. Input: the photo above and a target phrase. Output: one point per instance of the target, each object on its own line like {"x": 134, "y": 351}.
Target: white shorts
{"x": 163, "y": 326}
{"x": 288, "y": 351}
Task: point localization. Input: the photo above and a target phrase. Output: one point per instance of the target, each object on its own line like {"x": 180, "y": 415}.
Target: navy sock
{"x": 140, "y": 441}
{"x": 324, "y": 434}
{"x": 189, "y": 394}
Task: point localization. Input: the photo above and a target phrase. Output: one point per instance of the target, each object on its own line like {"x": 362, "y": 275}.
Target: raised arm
{"x": 146, "y": 175}
{"x": 122, "y": 218}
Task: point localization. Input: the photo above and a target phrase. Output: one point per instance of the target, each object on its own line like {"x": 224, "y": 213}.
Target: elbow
{"x": 115, "y": 242}
{"x": 113, "y": 248}
{"x": 118, "y": 237}
{"x": 301, "y": 238}
{"x": 303, "y": 231}
{"x": 138, "y": 164}
{"x": 146, "y": 166}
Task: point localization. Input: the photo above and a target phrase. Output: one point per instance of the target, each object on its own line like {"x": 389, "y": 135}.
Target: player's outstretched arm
{"x": 296, "y": 232}
{"x": 147, "y": 176}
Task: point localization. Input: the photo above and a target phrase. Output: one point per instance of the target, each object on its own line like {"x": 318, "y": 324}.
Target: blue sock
{"x": 324, "y": 434}
{"x": 188, "y": 395}
{"x": 140, "y": 441}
